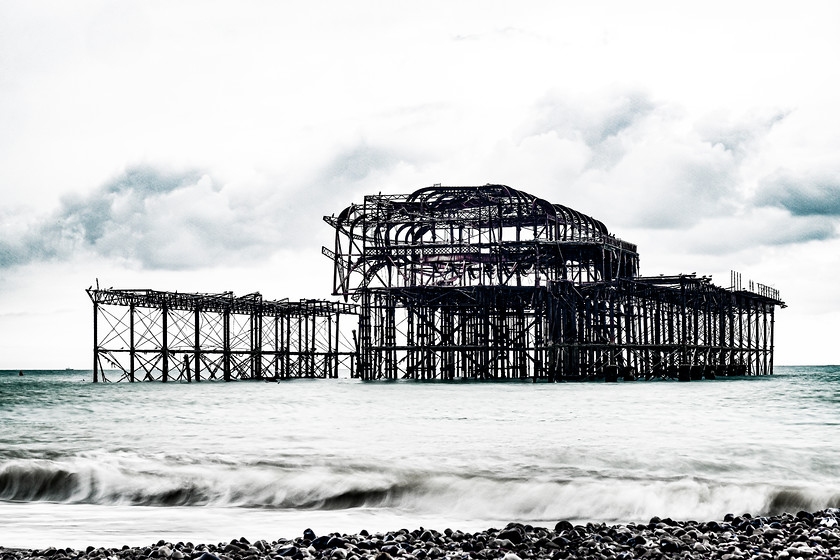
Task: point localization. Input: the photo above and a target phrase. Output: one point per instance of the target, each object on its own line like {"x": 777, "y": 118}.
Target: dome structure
{"x": 492, "y": 235}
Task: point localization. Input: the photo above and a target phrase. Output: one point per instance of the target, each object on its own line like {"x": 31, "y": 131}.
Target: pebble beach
{"x": 803, "y": 535}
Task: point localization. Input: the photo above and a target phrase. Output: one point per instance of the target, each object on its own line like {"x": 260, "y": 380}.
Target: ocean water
{"x": 114, "y": 464}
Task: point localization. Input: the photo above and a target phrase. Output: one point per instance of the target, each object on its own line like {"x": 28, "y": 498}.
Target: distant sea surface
{"x": 116, "y": 463}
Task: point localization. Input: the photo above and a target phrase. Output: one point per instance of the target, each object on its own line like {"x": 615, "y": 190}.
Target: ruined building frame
{"x": 493, "y": 283}
{"x": 451, "y": 283}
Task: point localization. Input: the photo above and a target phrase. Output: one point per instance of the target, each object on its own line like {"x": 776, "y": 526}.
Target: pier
{"x": 493, "y": 283}
{"x": 452, "y": 283}
{"x": 148, "y": 335}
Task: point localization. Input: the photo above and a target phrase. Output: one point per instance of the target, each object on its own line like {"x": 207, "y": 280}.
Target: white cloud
{"x": 809, "y": 193}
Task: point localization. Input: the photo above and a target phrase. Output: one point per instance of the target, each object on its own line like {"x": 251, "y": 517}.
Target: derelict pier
{"x": 493, "y": 283}
{"x": 452, "y": 283}
{"x": 147, "y": 335}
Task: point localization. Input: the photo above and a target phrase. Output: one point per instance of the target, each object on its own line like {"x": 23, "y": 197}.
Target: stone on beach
{"x": 787, "y": 536}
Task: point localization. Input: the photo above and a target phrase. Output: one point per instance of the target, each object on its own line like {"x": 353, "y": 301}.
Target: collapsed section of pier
{"x": 149, "y": 335}
{"x": 493, "y": 283}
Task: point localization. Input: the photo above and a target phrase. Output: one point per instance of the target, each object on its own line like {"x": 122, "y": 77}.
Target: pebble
{"x": 808, "y": 535}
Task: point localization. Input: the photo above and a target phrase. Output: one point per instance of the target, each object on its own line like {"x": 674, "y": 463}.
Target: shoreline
{"x": 803, "y": 535}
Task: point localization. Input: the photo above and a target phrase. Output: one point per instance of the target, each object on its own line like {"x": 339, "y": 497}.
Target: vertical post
{"x": 276, "y": 345}
{"x": 336, "y": 347}
{"x": 720, "y": 339}
{"x": 411, "y": 352}
{"x": 165, "y": 372}
{"x": 740, "y": 334}
{"x": 256, "y": 343}
{"x": 328, "y": 355}
{"x": 376, "y": 349}
{"x": 197, "y": 343}
{"x": 354, "y": 357}
{"x": 630, "y": 338}
{"x": 252, "y": 344}
{"x": 313, "y": 318}
{"x": 589, "y": 338}
{"x": 764, "y": 340}
{"x": 696, "y": 327}
{"x": 132, "y": 347}
{"x": 656, "y": 367}
{"x": 468, "y": 355}
{"x": 647, "y": 361}
{"x": 614, "y": 332}
{"x": 226, "y": 344}
{"x": 683, "y": 330}
{"x": 303, "y": 344}
{"x": 772, "y": 329}
{"x": 731, "y": 316}
{"x": 363, "y": 342}
{"x": 434, "y": 339}
{"x": 752, "y": 320}
{"x": 539, "y": 312}
{"x": 95, "y": 343}
{"x": 287, "y": 348}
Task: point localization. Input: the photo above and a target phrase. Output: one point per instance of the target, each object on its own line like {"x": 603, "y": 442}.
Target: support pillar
{"x": 226, "y": 345}
{"x": 95, "y": 343}
{"x": 165, "y": 367}
{"x": 197, "y": 344}
{"x": 132, "y": 347}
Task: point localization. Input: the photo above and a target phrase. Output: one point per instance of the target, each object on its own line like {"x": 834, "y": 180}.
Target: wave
{"x": 111, "y": 480}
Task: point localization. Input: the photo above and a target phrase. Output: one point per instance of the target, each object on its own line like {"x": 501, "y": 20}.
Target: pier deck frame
{"x": 493, "y": 283}
{"x": 148, "y": 335}
{"x": 648, "y": 327}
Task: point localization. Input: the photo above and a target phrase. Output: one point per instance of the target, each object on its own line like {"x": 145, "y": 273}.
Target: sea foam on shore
{"x": 804, "y": 535}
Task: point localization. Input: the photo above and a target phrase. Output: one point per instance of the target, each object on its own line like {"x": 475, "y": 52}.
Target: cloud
{"x": 149, "y": 217}
{"x": 691, "y": 181}
{"x": 648, "y": 168}
{"x": 801, "y": 194}
{"x": 93, "y": 217}
{"x": 158, "y": 219}
{"x": 651, "y": 164}
{"x": 358, "y": 162}
{"x": 594, "y": 120}
{"x": 768, "y": 227}
{"x": 739, "y": 134}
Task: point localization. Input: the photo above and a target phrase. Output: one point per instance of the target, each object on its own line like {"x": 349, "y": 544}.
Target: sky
{"x": 196, "y": 145}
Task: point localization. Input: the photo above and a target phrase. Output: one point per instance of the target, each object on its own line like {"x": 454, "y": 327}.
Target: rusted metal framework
{"x": 493, "y": 283}
{"x": 148, "y": 335}
{"x": 471, "y": 236}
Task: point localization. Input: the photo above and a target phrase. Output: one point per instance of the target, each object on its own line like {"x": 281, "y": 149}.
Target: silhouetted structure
{"x": 147, "y": 335}
{"x": 493, "y": 283}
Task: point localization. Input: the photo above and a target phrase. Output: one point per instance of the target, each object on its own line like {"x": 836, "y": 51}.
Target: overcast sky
{"x": 195, "y": 146}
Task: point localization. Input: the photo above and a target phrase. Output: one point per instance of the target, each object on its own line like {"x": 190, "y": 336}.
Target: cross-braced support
{"x": 147, "y": 335}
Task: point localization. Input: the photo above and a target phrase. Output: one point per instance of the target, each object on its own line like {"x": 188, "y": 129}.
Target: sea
{"x": 112, "y": 464}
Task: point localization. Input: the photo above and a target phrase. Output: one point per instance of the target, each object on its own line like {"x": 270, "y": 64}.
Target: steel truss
{"x": 148, "y": 335}
{"x": 493, "y": 283}
{"x": 471, "y": 236}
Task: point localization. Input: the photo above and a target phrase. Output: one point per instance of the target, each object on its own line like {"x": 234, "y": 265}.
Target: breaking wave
{"x": 124, "y": 480}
